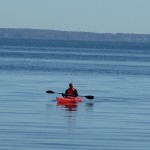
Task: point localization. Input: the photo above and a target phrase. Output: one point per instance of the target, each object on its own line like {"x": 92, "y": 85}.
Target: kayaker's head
{"x": 71, "y": 86}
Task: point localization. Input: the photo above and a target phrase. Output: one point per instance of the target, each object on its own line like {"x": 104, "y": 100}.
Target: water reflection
{"x": 68, "y": 106}
{"x": 74, "y": 106}
{"x": 89, "y": 107}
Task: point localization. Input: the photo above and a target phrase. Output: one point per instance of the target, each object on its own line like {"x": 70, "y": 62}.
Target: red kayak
{"x": 66, "y": 100}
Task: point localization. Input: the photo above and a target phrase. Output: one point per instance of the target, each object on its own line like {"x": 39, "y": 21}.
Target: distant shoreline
{"x": 72, "y": 35}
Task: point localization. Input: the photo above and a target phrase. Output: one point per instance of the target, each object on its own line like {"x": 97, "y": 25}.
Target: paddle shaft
{"x": 52, "y": 92}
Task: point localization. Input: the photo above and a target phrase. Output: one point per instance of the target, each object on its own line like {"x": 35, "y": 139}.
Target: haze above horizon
{"x": 100, "y": 16}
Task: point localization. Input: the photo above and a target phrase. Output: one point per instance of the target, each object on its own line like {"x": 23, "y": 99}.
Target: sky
{"x": 101, "y": 16}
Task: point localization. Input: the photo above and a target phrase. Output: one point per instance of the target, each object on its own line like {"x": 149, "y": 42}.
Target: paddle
{"x": 87, "y": 96}
{"x": 52, "y": 92}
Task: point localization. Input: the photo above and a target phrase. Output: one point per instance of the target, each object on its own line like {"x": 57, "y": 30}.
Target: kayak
{"x": 66, "y": 100}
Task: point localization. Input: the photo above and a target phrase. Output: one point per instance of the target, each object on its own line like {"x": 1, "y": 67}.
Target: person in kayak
{"x": 72, "y": 91}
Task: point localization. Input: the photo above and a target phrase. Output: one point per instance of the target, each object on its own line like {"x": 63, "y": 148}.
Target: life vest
{"x": 71, "y": 91}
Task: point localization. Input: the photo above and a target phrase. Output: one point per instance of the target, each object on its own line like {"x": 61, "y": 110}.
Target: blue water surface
{"x": 117, "y": 119}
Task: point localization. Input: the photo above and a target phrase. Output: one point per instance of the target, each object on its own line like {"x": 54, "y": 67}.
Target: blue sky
{"x": 102, "y": 16}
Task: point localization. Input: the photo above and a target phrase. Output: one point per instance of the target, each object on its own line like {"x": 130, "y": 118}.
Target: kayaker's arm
{"x": 76, "y": 93}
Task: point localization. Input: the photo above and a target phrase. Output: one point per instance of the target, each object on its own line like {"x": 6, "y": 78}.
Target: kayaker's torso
{"x": 72, "y": 91}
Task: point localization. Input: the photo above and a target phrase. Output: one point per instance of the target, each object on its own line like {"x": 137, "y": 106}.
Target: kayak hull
{"x": 66, "y": 100}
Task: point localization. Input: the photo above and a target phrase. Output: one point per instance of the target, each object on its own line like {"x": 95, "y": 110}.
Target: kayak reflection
{"x": 68, "y": 106}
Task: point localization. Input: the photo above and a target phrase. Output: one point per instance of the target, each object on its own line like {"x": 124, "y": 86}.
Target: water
{"x": 117, "y": 119}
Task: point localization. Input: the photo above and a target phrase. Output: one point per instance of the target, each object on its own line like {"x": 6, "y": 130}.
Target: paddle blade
{"x": 50, "y": 92}
{"x": 89, "y": 97}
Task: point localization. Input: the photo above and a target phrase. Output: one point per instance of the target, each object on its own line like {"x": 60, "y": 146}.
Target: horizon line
{"x": 115, "y": 33}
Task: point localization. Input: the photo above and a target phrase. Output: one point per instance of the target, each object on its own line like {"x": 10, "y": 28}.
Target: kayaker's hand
{"x": 63, "y": 95}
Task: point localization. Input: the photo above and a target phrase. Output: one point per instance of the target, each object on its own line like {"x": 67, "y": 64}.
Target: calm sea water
{"x": 117, "y": 119}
